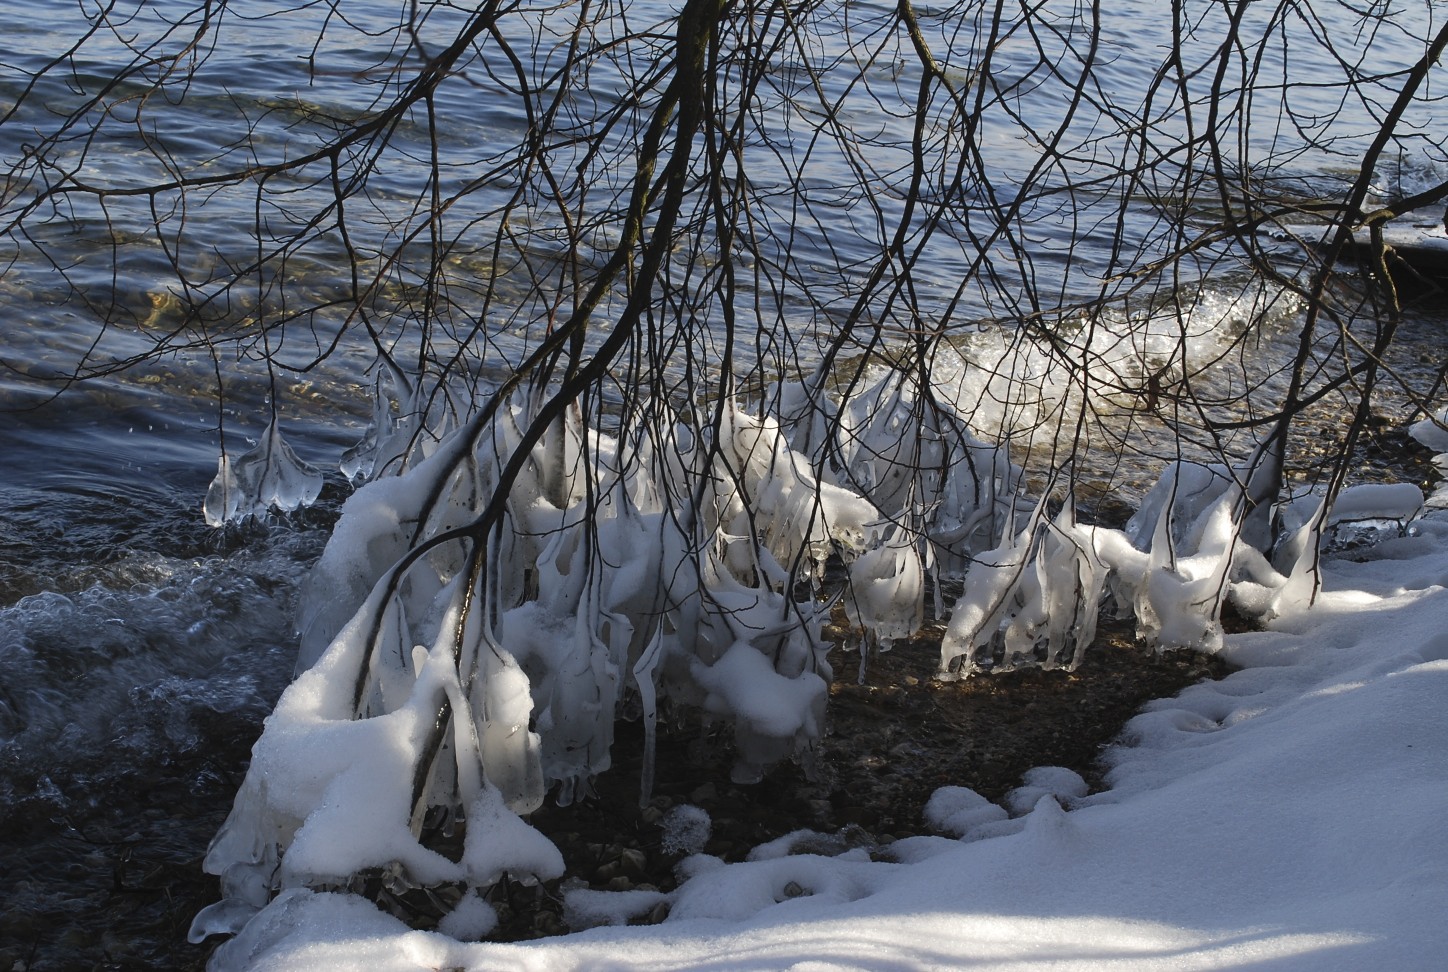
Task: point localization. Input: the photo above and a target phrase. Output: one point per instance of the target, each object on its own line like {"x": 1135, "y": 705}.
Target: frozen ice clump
{"x": 1433, "y": 431}
{"x": 451, "y": 674}
{"x": 696, "y": 864}
{"x": 1206, "y": 534}
{"x": 270, "y": 475}
{"x": 1031, "y": 601}
{"x": 376, "y": 529}
{"x": 909, "y": 450}
{"x": 226, "y": 917}
{"x": 1395, "y": 502}
{"x": 398, "y": 433}
{"x": 959, "y": 810}
{"x": 1065, "y": 785}
{"x": 329, "y": 796}
{"x": 774, "y": 714}
{"x": 686, "y": 829}
{"x": 511, "y": 582}
{"x": 1171, "y": 567}
{"x": 790, "y": 509}
{"x": 499, "y": 843}
{"x": 886, "y": 595}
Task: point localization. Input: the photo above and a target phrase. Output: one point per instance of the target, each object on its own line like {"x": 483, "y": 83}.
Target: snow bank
{"x": 1288, "y": 817}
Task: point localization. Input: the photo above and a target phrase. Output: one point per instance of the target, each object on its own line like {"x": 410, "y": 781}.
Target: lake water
{"x": 140, "y": 650}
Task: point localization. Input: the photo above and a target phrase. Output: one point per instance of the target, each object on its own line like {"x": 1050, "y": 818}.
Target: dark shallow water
{"x": 141, "y": 652}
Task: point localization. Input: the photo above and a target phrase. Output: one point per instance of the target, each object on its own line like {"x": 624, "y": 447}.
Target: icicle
{"x": 1075, "y": 586}
{"x": 226, "y": 917}
{"x": 990, "y": 589}
{"x": 512, "y": 754}
{"x": 643, "y": 674}
{"x": 1263, "y": 485}
{"x": 223, "y": 497}
{"x": 270, "y": 475}
{"x": 1296, "y": 558}
{"x": 361, "y": 460}
{"x": 886, "y": 594}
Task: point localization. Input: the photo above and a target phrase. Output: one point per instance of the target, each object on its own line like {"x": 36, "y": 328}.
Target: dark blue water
{"x": 140, "y": 650}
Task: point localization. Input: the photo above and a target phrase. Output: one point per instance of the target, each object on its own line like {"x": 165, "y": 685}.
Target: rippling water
{"x": 139, "y": 651}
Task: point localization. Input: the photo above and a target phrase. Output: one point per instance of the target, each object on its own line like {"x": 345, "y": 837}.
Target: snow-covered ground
{"x": 1291, "y": 816}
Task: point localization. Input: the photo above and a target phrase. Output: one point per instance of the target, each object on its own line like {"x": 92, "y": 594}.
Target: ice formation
{"x": 1433, "y": 433}
{"x": 587, "y": 908}
{"x": 471, "y": 920}
{"x": 455, "y": 668}
{"x": 1031, "y": 601}
{"x": 270, "y": 475}
{"x": 509, "y": 581}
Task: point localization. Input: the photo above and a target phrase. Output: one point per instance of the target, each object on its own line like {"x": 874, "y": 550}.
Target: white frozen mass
{"x": 1286, "y": 817}
{"x": 453, "y": 675}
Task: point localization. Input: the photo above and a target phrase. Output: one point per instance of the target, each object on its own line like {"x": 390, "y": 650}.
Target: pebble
{"x": 633, "y": 861}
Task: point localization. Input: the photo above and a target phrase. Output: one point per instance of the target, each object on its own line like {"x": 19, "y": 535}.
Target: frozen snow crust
{"x": 505, "y": 587}
{"x": 1286, "y": 817}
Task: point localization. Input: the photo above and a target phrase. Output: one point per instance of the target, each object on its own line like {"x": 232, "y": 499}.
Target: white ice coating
{"x": 1031, "y": 601}
{"x": 471, "y": 920}
{"x": 453, "y": 678}
{"x": 1002, "y": 383}
{"x": 886, "y": 594}
{"x": 463, "y": 680}
{"x": 1288, "y": 816}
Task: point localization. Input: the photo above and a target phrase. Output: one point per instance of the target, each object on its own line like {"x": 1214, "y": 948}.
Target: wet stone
{"x": 633, "y": 862}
